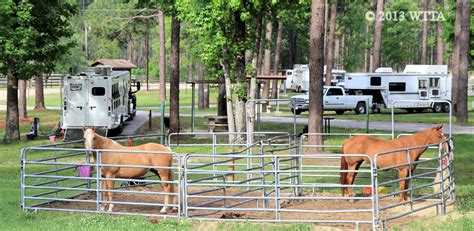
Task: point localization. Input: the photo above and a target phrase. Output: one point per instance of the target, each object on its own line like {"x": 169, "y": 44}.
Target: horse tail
{"x": 344, "y": 166}
{"x": 170, "y": 172}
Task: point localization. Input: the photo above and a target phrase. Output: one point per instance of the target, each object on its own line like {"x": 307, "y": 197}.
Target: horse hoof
{"x": 102, "y": 208}
{"x": 164, "y": 210}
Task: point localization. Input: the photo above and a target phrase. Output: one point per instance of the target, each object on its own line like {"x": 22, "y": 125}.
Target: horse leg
{"x": 110, "y": 186}
{"x": 402, "y": 173}
{"x": 350, "y": 177}
{"x": 104, "y": 194}
{"x": 164, "y": 175}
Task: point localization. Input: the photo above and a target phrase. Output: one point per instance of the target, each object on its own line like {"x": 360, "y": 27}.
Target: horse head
{"x": 436, "y": 136}
{"x": 89, "y": 140}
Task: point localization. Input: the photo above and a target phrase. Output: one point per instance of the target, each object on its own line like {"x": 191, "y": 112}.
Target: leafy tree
{"x": 398, "y": 47}
{"x": 30, "y": 42}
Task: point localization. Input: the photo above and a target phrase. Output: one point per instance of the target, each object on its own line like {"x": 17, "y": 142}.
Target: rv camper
{"x": 98, "y": 97}
{"x": 300, "y": 77}
{"x": 424, "y": 83}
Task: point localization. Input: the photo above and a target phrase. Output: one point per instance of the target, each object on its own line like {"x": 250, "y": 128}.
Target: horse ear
{"x": 83, "y": 129}
{"x": 93, "y": 129}
{"x": 440, "y": 126}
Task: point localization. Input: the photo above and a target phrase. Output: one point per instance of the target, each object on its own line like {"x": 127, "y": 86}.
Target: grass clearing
{"x": 13, "y": 218}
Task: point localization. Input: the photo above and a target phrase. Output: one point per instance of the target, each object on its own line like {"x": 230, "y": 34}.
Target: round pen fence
{"x": 276, "y": 179}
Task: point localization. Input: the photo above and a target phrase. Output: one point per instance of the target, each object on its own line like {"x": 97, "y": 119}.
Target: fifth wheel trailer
{"x": 98, "y": 97}
{"x": 427, "y": 84}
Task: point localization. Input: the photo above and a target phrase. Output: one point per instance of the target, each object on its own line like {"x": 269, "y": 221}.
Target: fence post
{"x": 440, "y": 161}
{"x": 98, "y": 176}
{"x": 277, "y": 188}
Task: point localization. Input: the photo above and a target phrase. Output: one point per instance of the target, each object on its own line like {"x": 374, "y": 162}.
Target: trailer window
{"x": 434, "y": 82}
{"x": 375, "y": 81}
{"x": 396, "y": 86}
{"x": 422, "y": 84}
{"x": 98, "y": 91}
{"x": 334, "y": 91}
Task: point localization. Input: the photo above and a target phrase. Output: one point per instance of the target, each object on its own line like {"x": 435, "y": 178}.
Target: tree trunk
{"x": 228, "y": 92}
{"x": 293, "y": 46}
{"x": 22, "y": 110}
{"x": 367, "y": 50}
{"x": 316, "y": 66}
{"x": 240, "y": 73}
{"x": 39, "y": 92}
{"x": 221, "y": 102}
{"x": 12, "y": 123}
{"x": 254, "y": 91}
{"x": 377, "y": 36}
{"x": 190, "y": 69}
{"x": 330, "y": 46}
{"x": 424, "y": 35}
{"x": 439, "y": 39}
{"x": 276, "y": 64}
{"x": 460, "y": 59}
{"x": 203, "y": 90}
{"x": 162, "y": 59}
{"x": 130, "y": 49}
{"x": 174, "y": 80}
{"x": 267, "y": 62}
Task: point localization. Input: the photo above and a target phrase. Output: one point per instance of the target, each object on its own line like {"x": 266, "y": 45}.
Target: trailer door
{"x": 75, "y": 102}
{"x": 98, "y": 104}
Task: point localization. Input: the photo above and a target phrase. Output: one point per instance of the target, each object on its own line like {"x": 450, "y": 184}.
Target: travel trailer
{"x": 299, "y": 80}
{"x": 426, "y": 84}
{"x": 98, "y": 97}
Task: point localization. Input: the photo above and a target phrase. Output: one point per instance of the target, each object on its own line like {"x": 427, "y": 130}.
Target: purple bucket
{"x": 85, "y": 171}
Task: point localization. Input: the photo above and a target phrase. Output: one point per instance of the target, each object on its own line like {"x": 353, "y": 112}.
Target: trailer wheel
{"x": 410, "y": 110}
{"x": 437, "y": 108}
{"x": 340, "y": 112}
{"x": 446, "y": 107}
{"x": 361, "y": 108}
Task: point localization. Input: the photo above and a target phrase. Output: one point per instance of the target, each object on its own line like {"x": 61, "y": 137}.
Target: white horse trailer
{"x": 300, "y": 77}
{"x": 425, "y": 83}
{"x": 98, "y": 97}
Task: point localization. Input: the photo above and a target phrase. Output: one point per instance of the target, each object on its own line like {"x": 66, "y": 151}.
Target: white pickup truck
{"x": 335, "y": 99}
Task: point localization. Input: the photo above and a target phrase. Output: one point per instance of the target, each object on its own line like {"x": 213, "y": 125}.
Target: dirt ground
{"x": 251, "y": 214}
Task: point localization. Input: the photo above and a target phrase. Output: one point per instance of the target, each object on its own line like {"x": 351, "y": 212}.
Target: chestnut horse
{"x": 95, "y": 141}
{"x": 371, "y": 146}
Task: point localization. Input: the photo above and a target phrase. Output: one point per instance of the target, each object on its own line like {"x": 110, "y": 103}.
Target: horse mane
{"x": 104, "y": 140}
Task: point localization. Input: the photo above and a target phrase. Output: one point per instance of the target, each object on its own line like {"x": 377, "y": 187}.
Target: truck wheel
{"x": 446, "y": 107}
{"x": 296, "y": 112}
{"x": 437, "y": 108}
{"x": 360, "y": 109}
{"x": 339, "y": 112}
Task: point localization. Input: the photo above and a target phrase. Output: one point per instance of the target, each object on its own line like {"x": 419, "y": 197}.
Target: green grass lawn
{"x": 12, "y": 218}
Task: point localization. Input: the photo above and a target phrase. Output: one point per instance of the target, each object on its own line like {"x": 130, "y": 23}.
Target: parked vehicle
{"x": 424, "y": 83}
{"x": 334, "y": 99}
{"x": 298, "y": 77}
{"x": 98, "y": 97}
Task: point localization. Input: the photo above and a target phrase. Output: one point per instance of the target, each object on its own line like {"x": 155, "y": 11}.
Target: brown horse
{"x": 371, "y": 146}
{"x": 95, "y": 141}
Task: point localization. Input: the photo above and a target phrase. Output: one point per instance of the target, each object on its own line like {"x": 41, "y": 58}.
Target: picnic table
{"x": 217, "y": 122}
